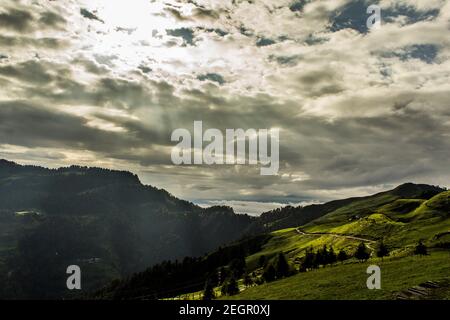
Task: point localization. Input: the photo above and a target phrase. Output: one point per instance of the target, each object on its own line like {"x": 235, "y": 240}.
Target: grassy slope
{"x": 400, "y": 223}
{"x": 348, "y": 281}
{"x": 426, "y": 220}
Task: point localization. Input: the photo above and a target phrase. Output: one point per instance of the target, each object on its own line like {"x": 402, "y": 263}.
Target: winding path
{"x": 300, "y": 231}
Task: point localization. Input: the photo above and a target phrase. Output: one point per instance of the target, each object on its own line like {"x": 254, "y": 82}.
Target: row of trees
{"x": 227, "y": 277}
{"x": 321, "y": 257}
{"x": 172, "y": 278}
{"x": 327, "y": 256}
{"x": 362, "y": 253}
{"x": 278, "y": 267}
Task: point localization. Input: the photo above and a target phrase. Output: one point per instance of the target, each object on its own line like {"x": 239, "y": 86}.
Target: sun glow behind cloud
{"x": 132, "y": 32}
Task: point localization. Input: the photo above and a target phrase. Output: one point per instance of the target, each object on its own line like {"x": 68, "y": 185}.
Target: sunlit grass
{"x": 348, "y": 281}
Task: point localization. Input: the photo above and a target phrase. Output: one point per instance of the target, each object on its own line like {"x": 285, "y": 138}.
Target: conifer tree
{"x": 362, "y": 253}
{"x": 382, "y": 251}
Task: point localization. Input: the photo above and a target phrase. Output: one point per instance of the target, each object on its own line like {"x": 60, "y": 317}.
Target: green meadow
{"x": 348, "y": 281}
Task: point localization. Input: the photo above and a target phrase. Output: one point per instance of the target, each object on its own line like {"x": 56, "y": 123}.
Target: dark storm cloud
{"x": 117, "y": 93}
{"x": 57, "y": 83}
{"x": 139, "y": 130}
{"x": 370, "y": 151}
{"x": 345, "y": 153}
{"x": 27, "y": 124}
{"x": 122, "y": 92}
{"x": 24, "y": 21}
{"x": 15, "y": 19}
{"x": 33, "y": 125}
{"x": 29, "y": 71}
{"x": 259, "y": 111}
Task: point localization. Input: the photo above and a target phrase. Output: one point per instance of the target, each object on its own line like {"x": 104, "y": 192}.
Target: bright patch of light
{"x": 133, "y": 32}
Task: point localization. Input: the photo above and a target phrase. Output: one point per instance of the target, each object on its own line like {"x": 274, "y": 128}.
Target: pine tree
{"x": 208, "y": 293}
{"x": 342, "y": 255}
{"x": 232, "y": 287}
{"x": 382, "y": 251}
{"x": 331, "y": 256}
{"x": 421, "y": 249}
{"x": 237, "y": 266}
{"x": 262, "y": 261}
{"x": 361, "y": 252}
{"x": 282, "y": 268}
{"x": 269, "y": 274}
{"x": 321, "y": 256}
{"x": 308, "y": 260}
{"x": 248, "y": 281}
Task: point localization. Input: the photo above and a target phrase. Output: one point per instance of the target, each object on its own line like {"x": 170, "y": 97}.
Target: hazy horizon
{"x": 257, "y": 206}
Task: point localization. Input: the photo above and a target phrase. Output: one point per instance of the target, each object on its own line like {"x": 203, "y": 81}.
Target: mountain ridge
{"x": 407, "y": 189}
{"x": 80, "y": 213}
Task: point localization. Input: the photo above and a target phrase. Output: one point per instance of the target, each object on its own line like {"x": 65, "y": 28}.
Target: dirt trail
{"x": 299, "y": 231}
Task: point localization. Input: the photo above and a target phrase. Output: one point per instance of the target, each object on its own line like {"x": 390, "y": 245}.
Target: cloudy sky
{"x": 104, "y": 83}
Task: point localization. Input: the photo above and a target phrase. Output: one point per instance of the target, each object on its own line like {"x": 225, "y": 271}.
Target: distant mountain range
{"x": 112, "y": 225}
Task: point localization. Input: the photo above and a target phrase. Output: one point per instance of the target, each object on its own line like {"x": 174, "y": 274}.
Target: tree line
{"x": 279, "y": 267}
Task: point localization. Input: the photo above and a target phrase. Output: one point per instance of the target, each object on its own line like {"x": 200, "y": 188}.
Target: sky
{"x": 105, "y": 83}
